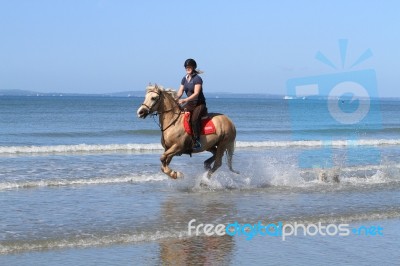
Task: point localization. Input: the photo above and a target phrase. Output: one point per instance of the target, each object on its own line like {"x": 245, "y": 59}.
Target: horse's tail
{"x": 229, "y": 152}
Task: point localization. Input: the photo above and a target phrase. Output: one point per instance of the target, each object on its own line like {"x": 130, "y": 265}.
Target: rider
{"x": 195, "y": 102}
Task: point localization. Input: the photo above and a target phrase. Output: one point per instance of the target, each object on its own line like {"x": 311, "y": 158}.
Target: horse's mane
{"x": 158, "y": 89}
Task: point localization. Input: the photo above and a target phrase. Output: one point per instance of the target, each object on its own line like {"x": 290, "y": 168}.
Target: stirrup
{"x": 197, "y": 145}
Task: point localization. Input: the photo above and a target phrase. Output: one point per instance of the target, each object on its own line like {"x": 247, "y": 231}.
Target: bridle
{"x": 153, "y": 114}
{"x": 150, "y": 107}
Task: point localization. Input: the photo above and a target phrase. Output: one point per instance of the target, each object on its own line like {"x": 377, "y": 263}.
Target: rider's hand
{"x": 182, "y": 101}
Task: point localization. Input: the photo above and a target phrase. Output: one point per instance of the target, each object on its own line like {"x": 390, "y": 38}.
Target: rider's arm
{"x": 180, "y": 92}
{"x": 192, "y": 97}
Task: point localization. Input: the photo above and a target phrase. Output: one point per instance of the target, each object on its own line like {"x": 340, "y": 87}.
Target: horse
{"x": 174, "y": 138}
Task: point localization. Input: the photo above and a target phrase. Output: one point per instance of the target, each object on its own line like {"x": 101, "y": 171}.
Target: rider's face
{"x": 189, "y": 70}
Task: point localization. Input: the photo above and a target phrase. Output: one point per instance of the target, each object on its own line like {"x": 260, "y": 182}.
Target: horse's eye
{"x": 154, "y": 98}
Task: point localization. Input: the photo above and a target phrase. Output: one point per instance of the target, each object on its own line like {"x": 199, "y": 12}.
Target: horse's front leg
{"x": 166, "y": 159}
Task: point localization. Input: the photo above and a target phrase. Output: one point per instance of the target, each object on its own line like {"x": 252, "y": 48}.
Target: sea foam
{"x": 156, "y": 147}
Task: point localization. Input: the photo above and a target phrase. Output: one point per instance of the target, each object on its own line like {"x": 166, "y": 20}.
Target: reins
{"x": 164, "y": 112}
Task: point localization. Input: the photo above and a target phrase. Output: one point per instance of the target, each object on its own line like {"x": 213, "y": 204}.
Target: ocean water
{"x": 80, "y": 184}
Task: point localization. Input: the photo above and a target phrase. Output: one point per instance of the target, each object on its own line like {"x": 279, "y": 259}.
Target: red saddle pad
{"x": 207, "y": 125}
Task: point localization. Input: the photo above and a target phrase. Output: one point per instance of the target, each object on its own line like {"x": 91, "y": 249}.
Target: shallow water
{"x": 77, "y": 190}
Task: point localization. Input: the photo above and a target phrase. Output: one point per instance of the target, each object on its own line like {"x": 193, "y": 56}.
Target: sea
{"x": 80, "y": 184}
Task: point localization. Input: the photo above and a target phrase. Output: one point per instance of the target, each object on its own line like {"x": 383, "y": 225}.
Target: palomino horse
{"x": 176, "y": 141}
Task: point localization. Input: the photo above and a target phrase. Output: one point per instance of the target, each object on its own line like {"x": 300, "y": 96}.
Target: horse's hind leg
{"x": 209, "y": 161}
{"x": 218, "y": 157}
{"x": 229, "y": 151}
{"x": 218, "y": 160}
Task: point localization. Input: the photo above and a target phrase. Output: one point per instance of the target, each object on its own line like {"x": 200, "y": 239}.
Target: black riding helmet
{"x": 190, "y": 63}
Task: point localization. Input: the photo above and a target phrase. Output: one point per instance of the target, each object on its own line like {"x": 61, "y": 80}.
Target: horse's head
{"x": 151, "y": 101}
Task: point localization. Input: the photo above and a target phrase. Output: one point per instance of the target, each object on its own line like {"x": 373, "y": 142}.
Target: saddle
{"x": 207, "y": 125}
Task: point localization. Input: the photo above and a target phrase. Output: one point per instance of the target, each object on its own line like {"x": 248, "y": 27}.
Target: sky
{"x": 101, "y": 46}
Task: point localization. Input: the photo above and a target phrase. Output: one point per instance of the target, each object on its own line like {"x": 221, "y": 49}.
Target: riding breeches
{"x": 195, "y": 119}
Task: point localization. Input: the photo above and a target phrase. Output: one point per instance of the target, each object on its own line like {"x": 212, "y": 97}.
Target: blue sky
{"x": 243, "y": 46}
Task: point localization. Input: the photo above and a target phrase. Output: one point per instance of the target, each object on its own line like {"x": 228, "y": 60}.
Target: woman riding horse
{"x": 174, "y": 138}
{"x": 195, "y": 103}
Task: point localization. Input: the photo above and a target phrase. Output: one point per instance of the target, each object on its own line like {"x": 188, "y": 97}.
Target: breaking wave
{"x": 26, "y": 184}
{"x": 16, "y": 246}
{"x": 80, "y": 148}
{"x": 156, "y": 147}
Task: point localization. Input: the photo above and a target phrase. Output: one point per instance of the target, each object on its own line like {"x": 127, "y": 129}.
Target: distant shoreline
{"x": 140, "y": 94}
{"x": 132, "y": 94}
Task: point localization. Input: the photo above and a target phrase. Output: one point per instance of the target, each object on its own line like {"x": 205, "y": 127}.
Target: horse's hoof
{"x": 323, "y": 177}
{"x": 176, "y": 175}
{"x": 205, "y": 182}
{"x": 235, "y": 172}
{"x": 335, "y": 178}
{"x": 203, "y": 185}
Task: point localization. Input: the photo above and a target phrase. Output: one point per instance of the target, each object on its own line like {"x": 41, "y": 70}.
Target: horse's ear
{"x": 155, "y": 86}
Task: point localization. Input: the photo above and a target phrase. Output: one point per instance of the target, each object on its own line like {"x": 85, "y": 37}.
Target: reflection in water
{"x": 195, "y": 250}
{"x": 199, "y": 250}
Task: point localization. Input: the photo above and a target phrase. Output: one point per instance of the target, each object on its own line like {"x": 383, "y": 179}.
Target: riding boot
{"x": 196, "y": 135}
